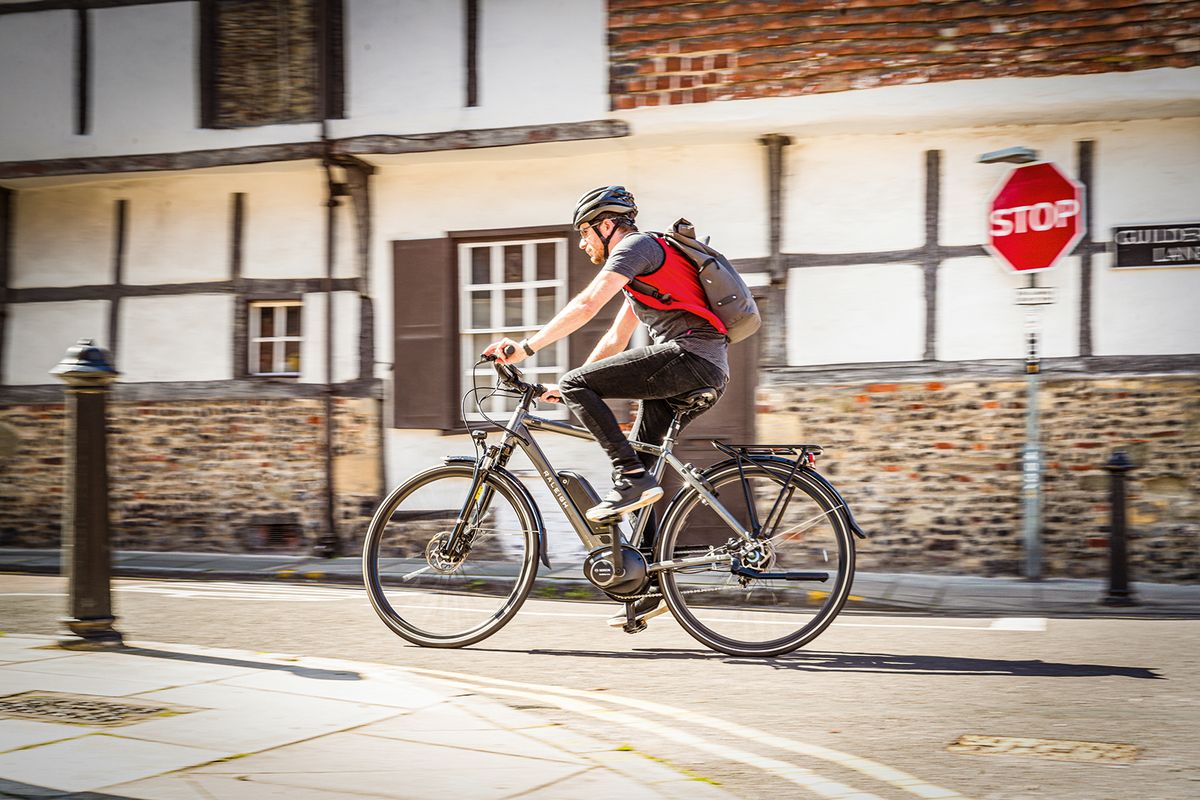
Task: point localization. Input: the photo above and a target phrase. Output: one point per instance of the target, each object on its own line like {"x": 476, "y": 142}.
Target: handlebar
{"x": 512, "y": 376}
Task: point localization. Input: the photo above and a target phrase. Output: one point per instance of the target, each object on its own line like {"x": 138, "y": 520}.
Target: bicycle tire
{"x": 429, "y": 601}
{"x": 713, "y": 605}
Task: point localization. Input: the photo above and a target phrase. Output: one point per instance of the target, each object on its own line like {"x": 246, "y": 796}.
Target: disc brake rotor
{"x": 439, "y": 558}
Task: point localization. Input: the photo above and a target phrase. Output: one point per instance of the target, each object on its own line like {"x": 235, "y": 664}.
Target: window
{"x": 275, "y": 338}
{"x": 511, "y": 288}
{"x": 270, "y": 62}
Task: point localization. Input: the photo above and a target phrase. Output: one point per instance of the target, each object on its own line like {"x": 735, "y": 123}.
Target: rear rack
{"x": 746, "y": 450}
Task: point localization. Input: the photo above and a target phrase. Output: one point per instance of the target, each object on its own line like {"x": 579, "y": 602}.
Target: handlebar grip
{"x": 508, "y": 350}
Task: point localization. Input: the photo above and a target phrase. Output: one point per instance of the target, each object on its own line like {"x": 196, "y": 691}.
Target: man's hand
{"x": 552, "y": 394}
{"x": 498, "y": 349}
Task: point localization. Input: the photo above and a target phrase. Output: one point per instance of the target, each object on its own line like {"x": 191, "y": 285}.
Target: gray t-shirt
{"x": 640, "y": 253}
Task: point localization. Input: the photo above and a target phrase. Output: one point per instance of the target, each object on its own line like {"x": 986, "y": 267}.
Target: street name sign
{"x": 1035, "y": 217}
{"x": 1035, "y": 295}
{"x": 1157, "y": 245}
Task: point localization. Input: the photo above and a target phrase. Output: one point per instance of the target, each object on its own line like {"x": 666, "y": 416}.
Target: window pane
{"x": 545, "y": 261}
{"x": 478, "y": 342}
{"x": 546, "y": 302}
{"x": 268, "y": 321}
{"x": 514, "y": 305}
{"x": 293, "y": 321}
{"x": 548, "y": 358}
{"x": 265, "y": 351}
{"x": 291, "y": 357}
{"x": 481, "y": 265}
{"x": 481, "y": 309}
{"x": 514, "y": 263}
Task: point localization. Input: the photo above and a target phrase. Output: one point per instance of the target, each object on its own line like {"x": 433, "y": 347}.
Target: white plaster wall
{"x": 977, "y": 314}
{"x": 424, "y": 196}
{"x": 63, "y": 236}
{"x": 38, "y": 335}
{"x": 539, "y": 61}
{"x": 852, "y": 194}
{"x": 346, "y": 309}
{"x": 284, "y": 225}
{"x": 1140, "y": 311}
{"x": 967, "y": 186}
{"x": 840, "y": 315}
{"x": 176, "y": 338}
{"x": 178, "y": 229}
{"x": 144, "y": 86}
{"x": 37, "y": 83}
{"x": 940, "y": 105}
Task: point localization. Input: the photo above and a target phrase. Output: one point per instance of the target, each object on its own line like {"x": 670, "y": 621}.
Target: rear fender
{"x": 518, "y": 487}
{"x": 784, "y": 464}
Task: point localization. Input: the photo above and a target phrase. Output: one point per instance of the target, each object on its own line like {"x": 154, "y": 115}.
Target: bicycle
{"x": 452, "y": 553}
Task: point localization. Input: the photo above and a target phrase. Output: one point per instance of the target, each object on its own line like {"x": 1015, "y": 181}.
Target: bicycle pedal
{"x": 637, "y": 626}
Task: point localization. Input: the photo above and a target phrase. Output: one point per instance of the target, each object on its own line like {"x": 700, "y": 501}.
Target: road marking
{"x": 872, "y": 769}
{"x": 801, "y": 776}
{"x": 1019, "y": 624}
{"x": 244, "y": 591}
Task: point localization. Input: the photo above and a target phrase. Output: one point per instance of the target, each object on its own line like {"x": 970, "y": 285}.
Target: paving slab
{"x": 98, "y": 760}
{"x": 353, "y": 763}
{"x": 18, "y": 733}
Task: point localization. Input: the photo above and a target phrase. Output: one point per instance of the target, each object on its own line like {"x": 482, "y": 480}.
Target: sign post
{"x": 1036, "y": 217}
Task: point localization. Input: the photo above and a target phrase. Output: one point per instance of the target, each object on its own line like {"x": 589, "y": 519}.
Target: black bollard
{"x": 87, "y": 558}
{"x": 1119, "y": 593}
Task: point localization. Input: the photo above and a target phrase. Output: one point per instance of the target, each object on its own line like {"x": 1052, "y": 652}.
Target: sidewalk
{"x": 176, "y": 722}
{"x": 872, "y": 591}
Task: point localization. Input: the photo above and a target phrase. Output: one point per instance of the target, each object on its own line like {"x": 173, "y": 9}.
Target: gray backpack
{"x": 728, "y": 295}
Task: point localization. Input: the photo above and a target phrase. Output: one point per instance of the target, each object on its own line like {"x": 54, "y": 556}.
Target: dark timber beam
{"x": 774, "y": 347}
{"x": 383, "y": 144}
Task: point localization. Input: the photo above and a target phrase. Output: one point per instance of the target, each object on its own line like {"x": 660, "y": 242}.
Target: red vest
{"x": 678, "y": 285}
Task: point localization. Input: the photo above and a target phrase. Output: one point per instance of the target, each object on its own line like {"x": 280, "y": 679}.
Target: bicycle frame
{"x": 518, "y": 432}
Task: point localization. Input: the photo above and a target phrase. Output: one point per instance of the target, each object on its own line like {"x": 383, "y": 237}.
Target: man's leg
{"x": 635, "y": 374}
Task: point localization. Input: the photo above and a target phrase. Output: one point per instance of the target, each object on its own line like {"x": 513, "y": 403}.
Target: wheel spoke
{"x": 426, "y": 592}
{"x": 759, "y": 616}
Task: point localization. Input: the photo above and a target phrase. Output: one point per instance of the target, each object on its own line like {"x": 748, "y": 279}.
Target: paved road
{"x": 871, "y": 709}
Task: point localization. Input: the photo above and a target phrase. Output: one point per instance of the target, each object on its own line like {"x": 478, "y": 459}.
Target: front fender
{"x": 520, "y": 488}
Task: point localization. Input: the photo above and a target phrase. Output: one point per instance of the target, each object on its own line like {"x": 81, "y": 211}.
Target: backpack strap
{"x": 645, "y": 288}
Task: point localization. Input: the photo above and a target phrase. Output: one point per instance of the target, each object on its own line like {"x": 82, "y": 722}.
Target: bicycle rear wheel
{"x": 806, "y": 538}
{"x": 435, "y": 598}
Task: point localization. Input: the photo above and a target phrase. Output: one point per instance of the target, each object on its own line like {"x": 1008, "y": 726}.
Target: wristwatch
{"x": 525, "y": 346}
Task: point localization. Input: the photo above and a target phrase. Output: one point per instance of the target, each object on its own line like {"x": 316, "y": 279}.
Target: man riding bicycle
{"x": 688, "y": 349}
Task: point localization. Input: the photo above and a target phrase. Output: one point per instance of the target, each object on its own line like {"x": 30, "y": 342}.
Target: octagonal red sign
{"x": 1035, "y": 217}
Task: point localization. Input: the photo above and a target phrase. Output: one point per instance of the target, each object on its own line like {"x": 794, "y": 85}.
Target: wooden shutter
{"x": 425, "y": 299}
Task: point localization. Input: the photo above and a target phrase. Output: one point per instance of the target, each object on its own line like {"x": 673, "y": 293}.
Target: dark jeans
{"x": 652, "y": 374}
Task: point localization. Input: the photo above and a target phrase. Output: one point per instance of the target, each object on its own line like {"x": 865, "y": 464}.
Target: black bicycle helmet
{"x": 614, "y": 199}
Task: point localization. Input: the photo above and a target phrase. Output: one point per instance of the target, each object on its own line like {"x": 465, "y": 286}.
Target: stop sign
{"x": 1035, "y": 216}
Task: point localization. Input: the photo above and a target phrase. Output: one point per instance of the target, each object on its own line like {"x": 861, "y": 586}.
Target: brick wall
{"x": 665, "y": 53}
{"x": 932, "y": 469}
{"x": 217, "y": 476}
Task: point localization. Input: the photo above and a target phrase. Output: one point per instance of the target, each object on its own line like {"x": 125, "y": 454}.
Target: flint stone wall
{"x": 932, "y": 469}
{"x": 203, "y": 476}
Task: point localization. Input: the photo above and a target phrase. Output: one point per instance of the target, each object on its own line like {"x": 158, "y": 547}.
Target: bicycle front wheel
{"x": 800, "y": 568}
{"x": 434, "y": 592}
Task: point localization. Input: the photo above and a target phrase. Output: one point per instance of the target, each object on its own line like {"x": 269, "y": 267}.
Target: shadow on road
{"x": 885, "y": 663}
{"x": 300, "y": 671}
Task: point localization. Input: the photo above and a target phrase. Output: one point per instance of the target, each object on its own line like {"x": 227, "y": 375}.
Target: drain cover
{"x": 83, "y": 709}
{"x": 1054, "y": 749}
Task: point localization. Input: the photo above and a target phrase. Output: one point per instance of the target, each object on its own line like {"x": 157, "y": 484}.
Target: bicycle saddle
{"x": 694, "y": 401}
